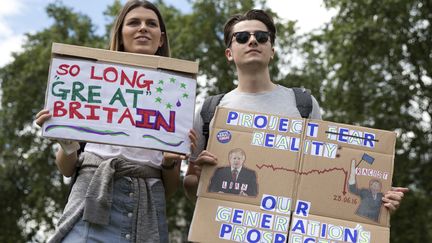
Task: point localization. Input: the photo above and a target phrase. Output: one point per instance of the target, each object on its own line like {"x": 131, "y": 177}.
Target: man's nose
{"x": 253, "y": 41}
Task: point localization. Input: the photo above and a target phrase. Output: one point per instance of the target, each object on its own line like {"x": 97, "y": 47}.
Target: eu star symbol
{"x": 161, "y": 82}
{"x": 159, "y": 90}
{"x": 158, "y": 100}
{"x": 185, "y": 95}
{"x": 183, "y": 85}
{"x": 172, "y": 80}
{"x": 168, "y": 106}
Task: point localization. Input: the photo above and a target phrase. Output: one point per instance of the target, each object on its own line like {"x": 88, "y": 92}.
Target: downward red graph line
{"x": 309, "y": 172}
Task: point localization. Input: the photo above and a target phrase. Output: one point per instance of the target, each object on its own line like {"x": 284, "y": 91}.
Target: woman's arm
{"x": 190, "y": 181}
{"x": 66, "y": 162}
{"x": 171, "y": 173}
{"x": 171, "y": 167}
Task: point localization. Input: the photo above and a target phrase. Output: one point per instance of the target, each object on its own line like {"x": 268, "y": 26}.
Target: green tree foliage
{"x": 373, "y": 62}
{"x": 370, "y": 66}
{"x": 110, "y": 14}
{"x": 32, "y": 189}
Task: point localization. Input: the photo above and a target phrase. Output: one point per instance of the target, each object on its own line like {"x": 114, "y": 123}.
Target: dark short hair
{"x": 115, "y": 39}
{"x": 254, "y": 14}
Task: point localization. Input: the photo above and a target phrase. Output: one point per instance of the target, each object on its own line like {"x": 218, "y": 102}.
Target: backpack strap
{"x": 304, "y": 101}
{"x": 207, "y": 112}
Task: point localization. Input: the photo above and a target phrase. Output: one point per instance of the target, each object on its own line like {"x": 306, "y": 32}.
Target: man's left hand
{"x": 393, "y": 198}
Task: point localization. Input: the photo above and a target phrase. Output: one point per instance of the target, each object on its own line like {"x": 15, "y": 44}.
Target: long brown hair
{"x": 116, "y": 37}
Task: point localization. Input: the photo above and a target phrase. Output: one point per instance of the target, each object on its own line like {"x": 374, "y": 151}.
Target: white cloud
{"x": 309, "y": 14}
{"x": 9, "y": 41}
{"x": 9, "y": 45}
{"x": 5, "y": 30}
{"x": 10, "y": 7}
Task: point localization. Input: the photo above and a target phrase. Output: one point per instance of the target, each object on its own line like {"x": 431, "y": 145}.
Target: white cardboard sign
{"x": 119, "y": 104}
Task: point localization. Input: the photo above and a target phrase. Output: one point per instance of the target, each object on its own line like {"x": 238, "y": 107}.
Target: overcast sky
{"x": 28, "y": 16}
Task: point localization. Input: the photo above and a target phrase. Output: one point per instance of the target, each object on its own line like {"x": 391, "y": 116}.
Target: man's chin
{"x": 254, "y": 62}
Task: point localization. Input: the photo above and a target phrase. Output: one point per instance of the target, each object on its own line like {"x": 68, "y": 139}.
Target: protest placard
{"x": 120, "y": 98}
{"x": 290, "y": 179}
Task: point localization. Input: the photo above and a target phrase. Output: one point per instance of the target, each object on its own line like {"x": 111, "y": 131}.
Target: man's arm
{"x": 198, "y": 158}
{"x": 190, "y": 182}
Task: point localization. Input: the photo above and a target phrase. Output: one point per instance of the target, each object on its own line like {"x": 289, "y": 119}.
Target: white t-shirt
{"x": 279, "y": 101}
{"x": 148, "y": 157}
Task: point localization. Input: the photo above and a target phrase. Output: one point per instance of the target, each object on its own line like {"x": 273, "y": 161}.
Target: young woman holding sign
{"x": 119, "y": 193}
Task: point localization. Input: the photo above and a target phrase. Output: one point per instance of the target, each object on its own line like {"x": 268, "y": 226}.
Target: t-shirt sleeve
{"x": 197, "y": 126}
{"x": 316, "y": 110}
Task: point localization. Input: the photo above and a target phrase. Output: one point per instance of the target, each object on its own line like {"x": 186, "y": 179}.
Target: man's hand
{"x": 204, "y": 158}
{"x": 393, "y": 198}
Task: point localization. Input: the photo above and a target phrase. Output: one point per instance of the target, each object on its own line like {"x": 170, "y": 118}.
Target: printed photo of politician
{"x": 370, "y": 198}
{"x": 235, "y": 178}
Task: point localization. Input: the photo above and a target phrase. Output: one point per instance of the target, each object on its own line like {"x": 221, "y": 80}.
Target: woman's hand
{"x": 171, "y": 166}
{"x": 170, "y": 158}
{"x": 42, "y": 116}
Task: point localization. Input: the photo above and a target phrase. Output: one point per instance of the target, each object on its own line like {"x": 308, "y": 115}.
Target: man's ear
{"x": 228, "y": 54}
{"x": 273, "y": 53}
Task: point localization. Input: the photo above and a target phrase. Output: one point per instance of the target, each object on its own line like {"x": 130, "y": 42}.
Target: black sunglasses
{"x": 243, "y": 36}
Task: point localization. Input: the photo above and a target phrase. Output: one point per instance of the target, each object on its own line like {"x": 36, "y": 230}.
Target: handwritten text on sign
{"x": 119, "y": 104}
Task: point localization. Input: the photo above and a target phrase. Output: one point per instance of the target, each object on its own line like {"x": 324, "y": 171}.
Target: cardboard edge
{"x": 134, "y": 59}
{"x": 388, "y": 219}
{"x": 46, "y": 96}
{"x": 299, "y": 163}
{"x": 181, "y": 67}
{"x": 212, "y": 128}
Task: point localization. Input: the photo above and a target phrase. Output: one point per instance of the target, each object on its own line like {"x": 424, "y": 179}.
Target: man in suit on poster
{"x": 236, "y": 178}
{"x": 370, "y": 198}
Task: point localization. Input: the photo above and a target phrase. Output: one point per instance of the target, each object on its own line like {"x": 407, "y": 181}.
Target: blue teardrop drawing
{"x": 178, "y": 104}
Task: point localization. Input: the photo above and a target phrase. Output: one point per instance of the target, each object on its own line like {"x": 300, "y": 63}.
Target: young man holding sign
{"x": 250, "y": 45}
